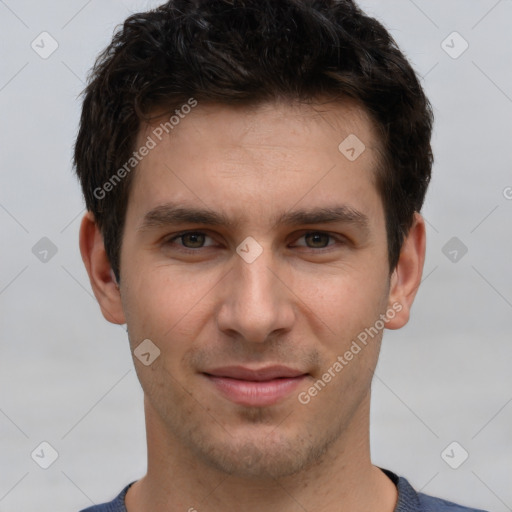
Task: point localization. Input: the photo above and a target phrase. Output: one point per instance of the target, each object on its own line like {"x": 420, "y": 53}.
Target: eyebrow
{"x": 170, "y": 214}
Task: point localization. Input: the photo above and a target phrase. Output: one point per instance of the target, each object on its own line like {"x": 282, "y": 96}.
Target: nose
{"x": 256, "y": 302}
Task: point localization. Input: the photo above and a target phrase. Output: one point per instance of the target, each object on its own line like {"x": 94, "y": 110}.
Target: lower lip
{"x": 255, "y": 393}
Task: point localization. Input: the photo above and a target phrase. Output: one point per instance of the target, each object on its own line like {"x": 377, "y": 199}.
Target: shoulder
{"x": 411, "y": 501}
{"x": 432, "y": 504}
{"x": 116, "y": 505}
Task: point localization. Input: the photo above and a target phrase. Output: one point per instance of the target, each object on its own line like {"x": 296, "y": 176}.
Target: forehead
{"x": 266, "y": 157}
{"x": 246, "y": 123}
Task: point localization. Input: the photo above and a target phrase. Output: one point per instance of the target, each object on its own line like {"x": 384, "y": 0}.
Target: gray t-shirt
{"x": 408, "y": 500}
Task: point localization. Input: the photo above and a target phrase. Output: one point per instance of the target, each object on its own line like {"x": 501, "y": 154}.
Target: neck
{"x": 343, "y": 479}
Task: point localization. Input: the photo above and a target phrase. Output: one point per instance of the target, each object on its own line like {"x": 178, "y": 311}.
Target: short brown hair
{"x": 251, "y": 51}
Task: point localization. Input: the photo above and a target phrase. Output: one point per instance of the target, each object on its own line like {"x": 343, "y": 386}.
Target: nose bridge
{"x": 255, "y": 303}
{"x": 255, "y": 280}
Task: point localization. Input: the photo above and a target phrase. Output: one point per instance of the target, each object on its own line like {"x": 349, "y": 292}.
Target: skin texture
{"x": 301, "y": 304}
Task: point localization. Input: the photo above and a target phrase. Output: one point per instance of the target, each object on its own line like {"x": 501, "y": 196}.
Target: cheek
{"x": 168, "y": 305}
{"x": 346, "y": 300}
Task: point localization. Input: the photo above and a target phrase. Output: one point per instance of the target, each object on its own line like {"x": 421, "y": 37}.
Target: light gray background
{"x": 66, "y": 375}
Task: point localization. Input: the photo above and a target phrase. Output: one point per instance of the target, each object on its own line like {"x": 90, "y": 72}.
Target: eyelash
{"x": 187, "y": 250}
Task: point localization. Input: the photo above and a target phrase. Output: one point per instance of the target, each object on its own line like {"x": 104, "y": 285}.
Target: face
{"x": 254, "y": 255}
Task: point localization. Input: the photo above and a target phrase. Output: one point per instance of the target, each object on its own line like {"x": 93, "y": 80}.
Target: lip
{"x": 255, "y": 387}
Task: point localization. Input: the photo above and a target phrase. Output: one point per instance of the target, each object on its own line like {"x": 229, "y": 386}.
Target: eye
{"x": 317, "y": 239}
{"x": 193, "y": 241}
{"x": 190, "y": 239}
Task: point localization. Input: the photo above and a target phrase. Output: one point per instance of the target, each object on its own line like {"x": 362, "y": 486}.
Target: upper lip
{"x": 258, "y": 374}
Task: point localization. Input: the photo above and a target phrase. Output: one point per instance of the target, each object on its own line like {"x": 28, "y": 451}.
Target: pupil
{"x": 316, "y": 237}
{"x": 195, "y": 238}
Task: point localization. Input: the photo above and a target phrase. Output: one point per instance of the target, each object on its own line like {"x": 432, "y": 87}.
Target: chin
{"x": 273, "y": 456}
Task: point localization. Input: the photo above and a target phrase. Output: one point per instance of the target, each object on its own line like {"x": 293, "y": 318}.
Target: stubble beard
{"x": 264, "y": 451}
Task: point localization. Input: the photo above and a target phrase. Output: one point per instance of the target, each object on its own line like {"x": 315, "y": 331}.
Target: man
{"x": 253, "y": 173}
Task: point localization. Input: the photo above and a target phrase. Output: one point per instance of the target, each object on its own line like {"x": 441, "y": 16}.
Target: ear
{"x": 406, "y": 277}
{"x": 100, "y": 272}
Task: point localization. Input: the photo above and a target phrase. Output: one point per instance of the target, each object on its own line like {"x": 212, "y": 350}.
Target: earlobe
{"x": 406, "y": 277}
{"x": 101, "y": 276}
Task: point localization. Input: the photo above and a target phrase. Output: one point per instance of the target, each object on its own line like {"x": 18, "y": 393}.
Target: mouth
{"x": 255, "y": 387}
